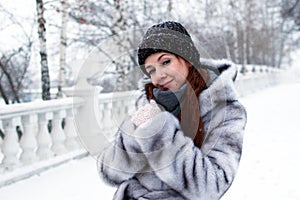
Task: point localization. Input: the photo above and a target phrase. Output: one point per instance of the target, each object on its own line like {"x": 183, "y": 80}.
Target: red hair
{"x": 190, "y": 113}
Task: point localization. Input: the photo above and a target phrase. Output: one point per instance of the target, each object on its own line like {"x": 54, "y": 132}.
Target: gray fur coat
{"x": 157, "y": 161}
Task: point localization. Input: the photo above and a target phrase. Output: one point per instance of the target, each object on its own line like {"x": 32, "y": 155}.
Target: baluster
{"x": 1, "y": 142}
{"x": 100, "y": 119}
{"x": 28, "y": 141}
{"x": 123, "y": 110}
{"x": 128, "y": 106}
{"x": 57, "y": 134}
{"x": 10, "y": 146}
{"x": 116, "y": 112}
{"x": 43, "y": 137}
{"x": 107, "y": 120}
{"x": 70, "y": 131}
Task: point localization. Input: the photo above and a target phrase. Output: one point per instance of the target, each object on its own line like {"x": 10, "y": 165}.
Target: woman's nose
{"x": 161, "y": 73}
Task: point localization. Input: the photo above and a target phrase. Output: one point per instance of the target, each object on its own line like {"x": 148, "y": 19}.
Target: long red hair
{"x": 190, "y": 113}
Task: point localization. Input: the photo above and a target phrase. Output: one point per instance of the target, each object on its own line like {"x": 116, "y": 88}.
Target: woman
{"x": 185, "y": 139}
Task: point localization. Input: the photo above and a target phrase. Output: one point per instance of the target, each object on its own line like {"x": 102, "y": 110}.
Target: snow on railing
{"x": 40, "y": 131}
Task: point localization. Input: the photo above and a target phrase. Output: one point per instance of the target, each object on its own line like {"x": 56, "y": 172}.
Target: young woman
{"x": 185, "y": 139}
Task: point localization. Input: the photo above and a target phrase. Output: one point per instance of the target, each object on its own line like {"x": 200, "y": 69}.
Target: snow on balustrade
{"x": 40, "y": 131}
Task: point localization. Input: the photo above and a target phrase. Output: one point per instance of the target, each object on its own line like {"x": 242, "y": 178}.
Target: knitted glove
{"x": 145, "y": 112}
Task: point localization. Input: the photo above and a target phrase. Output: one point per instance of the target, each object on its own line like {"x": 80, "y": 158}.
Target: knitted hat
{"x": 169, "y": 37}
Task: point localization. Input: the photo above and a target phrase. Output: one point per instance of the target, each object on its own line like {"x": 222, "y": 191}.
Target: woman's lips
{"x": 165, "y": 85}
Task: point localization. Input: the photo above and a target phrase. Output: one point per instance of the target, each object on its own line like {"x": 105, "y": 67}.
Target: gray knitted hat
{"x": 169, "y": 37}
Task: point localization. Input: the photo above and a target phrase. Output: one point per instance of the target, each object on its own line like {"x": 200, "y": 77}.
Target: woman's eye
{"x": 166, "y": 62}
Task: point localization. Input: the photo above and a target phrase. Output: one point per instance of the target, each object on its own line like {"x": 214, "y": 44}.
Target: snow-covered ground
{"x": 270, "y": 164}
{"x": 269, "y": 167}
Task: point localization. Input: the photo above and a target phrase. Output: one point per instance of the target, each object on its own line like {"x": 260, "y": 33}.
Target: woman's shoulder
{"x": 223, "y": 68}
{"x": 221, "y": 87}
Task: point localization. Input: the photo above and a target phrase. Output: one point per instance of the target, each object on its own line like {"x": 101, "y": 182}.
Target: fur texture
{"x": 157, "y": 161}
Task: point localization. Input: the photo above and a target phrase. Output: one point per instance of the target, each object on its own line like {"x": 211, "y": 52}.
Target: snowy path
{"x": 271, "y": 160}
{"x": 269, "y": 168}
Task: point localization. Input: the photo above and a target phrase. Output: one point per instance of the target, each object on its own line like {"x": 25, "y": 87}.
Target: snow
{"x": 270, "y": 164}
{"x": 75, "y": 180}
{"x": 269, "y": 168}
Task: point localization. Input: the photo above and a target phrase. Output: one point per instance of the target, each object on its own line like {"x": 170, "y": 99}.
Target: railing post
{"x": 108, "y": 128}
{"x": 10, "y": 146}
{"x": 1, "y": 140}
{"x": 57, "y": 134}
{"x": 28, "y": 141}
{"x": 70, "y": 131}
{"x": 119, "y": 111}
{"x": 1, "y": 145}
{"x": 44, "y": 138}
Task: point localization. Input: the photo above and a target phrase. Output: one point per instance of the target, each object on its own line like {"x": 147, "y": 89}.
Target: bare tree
{"x": 14, "y": 61}
{"x": 119, "y": 29}
{"x": 63, "y": 45}
{"x": 117, "y": 23}
{"x": 291, "y": 10}
{"x": 43, "y": 50}
{"x": 248, "y": 32}
{"x": 13, "y": 69}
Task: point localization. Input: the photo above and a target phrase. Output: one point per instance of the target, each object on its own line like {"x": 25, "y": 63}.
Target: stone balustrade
{"x": 255, "y": 78}
{"x": 36, "y": 132}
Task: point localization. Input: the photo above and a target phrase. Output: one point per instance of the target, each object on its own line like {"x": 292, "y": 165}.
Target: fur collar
{"x": 220, "y": 88}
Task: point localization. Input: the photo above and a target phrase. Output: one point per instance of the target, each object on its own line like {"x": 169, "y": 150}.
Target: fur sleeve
{"x": 121, "y": 160}
{"x": 184, "y": 167}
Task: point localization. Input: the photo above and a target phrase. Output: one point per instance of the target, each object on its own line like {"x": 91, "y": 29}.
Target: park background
{"x": 45, "y": 47}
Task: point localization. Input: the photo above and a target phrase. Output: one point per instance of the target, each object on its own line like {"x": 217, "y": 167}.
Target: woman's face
{"x": 167, "y": 70}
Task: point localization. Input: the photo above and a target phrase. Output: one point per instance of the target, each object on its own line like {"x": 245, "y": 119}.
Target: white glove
{"x": 145, "y": 112}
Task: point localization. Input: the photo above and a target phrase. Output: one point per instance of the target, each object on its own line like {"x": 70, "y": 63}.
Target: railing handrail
{"x": 36, "y": 107}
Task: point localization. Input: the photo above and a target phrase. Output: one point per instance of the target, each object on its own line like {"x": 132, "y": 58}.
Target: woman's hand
{"x": 145, "y": 112}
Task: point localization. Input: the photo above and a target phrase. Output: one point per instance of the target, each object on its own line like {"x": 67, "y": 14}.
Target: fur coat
{"x": 157, "y": 161}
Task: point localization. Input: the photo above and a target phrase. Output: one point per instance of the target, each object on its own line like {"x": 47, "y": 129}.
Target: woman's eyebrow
{"x": 148, "y": 66}
{"x": 161, "y": 56}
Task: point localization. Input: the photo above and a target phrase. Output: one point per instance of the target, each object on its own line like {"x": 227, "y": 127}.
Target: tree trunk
{"x": 2, "y": 92}
{"x": 247, "y": 32}
{"x": 63, "y": 45}
{"x": 120, "y": 36}
{"x": 282, "y": 36}
{"x": 43, "y": 51}
{"x": 227, "y": 48}
{"x": 10, "y": 81}
{"x": 170, "y": 8}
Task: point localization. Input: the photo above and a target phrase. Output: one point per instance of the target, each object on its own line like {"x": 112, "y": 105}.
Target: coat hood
{"x": 221, "y": 88}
